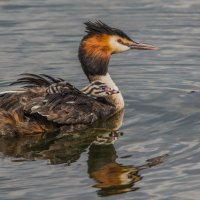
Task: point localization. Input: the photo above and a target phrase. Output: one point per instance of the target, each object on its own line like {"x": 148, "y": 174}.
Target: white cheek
{"x": 117, "y": 47}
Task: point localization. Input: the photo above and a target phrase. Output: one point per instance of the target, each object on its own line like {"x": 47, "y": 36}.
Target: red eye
{"x": 120, "y": 41}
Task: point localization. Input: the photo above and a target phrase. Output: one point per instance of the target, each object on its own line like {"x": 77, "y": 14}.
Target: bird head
{"x": 100, "y": 43}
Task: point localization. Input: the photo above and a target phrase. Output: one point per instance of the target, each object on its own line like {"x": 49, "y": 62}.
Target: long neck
{"x": 116, "y": 99}
{"x": 94, "y": 56}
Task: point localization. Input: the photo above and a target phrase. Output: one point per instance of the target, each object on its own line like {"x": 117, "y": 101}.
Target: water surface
{"x": 161, "y": 115}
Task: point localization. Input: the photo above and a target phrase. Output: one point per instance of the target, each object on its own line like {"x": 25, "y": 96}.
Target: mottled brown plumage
{"x": 46, "y": 104}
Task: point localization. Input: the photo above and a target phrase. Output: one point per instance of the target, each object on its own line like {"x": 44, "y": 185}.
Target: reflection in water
{"x": 59, "y": 148}
{"x": 111, "y": 177}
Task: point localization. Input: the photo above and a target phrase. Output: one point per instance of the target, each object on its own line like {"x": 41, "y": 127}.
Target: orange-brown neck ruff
{"x": 94, "y": 54}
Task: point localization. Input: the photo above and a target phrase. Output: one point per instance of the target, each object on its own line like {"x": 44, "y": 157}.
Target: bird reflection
{"x": 112, "y": 177}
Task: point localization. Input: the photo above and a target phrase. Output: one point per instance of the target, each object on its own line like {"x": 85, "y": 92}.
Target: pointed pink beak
{"x": 141, "y": 46}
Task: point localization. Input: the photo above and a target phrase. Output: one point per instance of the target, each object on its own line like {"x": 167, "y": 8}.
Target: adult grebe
{"x": 47, "y": 103}
{"x": 26, "y": 111}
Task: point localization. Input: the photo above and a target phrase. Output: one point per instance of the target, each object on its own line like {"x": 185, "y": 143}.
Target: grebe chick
{"x": 94, "y": 89}
{"x": 58, "y": 103}
{"x": 98, "y": 89}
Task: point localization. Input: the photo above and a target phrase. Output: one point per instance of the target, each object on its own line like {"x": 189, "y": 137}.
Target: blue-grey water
{"x": 161, "y": 115}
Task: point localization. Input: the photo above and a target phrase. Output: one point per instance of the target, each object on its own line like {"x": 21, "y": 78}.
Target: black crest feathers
{"x": 98, "y": 27}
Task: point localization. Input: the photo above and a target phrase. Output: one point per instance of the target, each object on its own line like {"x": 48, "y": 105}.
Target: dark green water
{"x": 161, "y": 116}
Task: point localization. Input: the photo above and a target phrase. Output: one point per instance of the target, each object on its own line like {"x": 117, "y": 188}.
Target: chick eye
{"x": 120, "y": 41}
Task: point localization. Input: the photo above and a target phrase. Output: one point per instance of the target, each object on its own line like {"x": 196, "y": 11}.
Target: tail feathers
{"x": 7, "y": 124}
{"x": 33, "y": 80}
{"x": 16, "y": 123}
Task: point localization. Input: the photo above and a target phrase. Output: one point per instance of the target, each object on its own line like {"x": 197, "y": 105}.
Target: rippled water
{"x": 161, "y": 115}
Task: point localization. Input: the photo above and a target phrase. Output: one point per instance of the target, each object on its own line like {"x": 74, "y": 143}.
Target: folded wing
{"x": 55, "y": 100}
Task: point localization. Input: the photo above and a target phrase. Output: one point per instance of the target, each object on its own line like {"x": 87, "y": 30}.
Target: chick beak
{"x": 110, "y": 91}
{"x": 141, "y": 46}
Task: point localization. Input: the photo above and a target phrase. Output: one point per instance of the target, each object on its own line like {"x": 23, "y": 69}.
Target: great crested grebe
{"x": 22, "y": 113}
{"x": 46, "y": 103}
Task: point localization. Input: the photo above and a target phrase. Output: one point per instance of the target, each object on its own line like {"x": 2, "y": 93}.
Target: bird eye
{"x": 120, "y": 41}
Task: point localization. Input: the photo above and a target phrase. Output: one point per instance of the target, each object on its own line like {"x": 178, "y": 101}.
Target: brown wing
{"x": 56, "y": 100}
{"x": 72, "y": 107}
{"x": 14, "y": 101}
{"x": 33, "y": 86}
